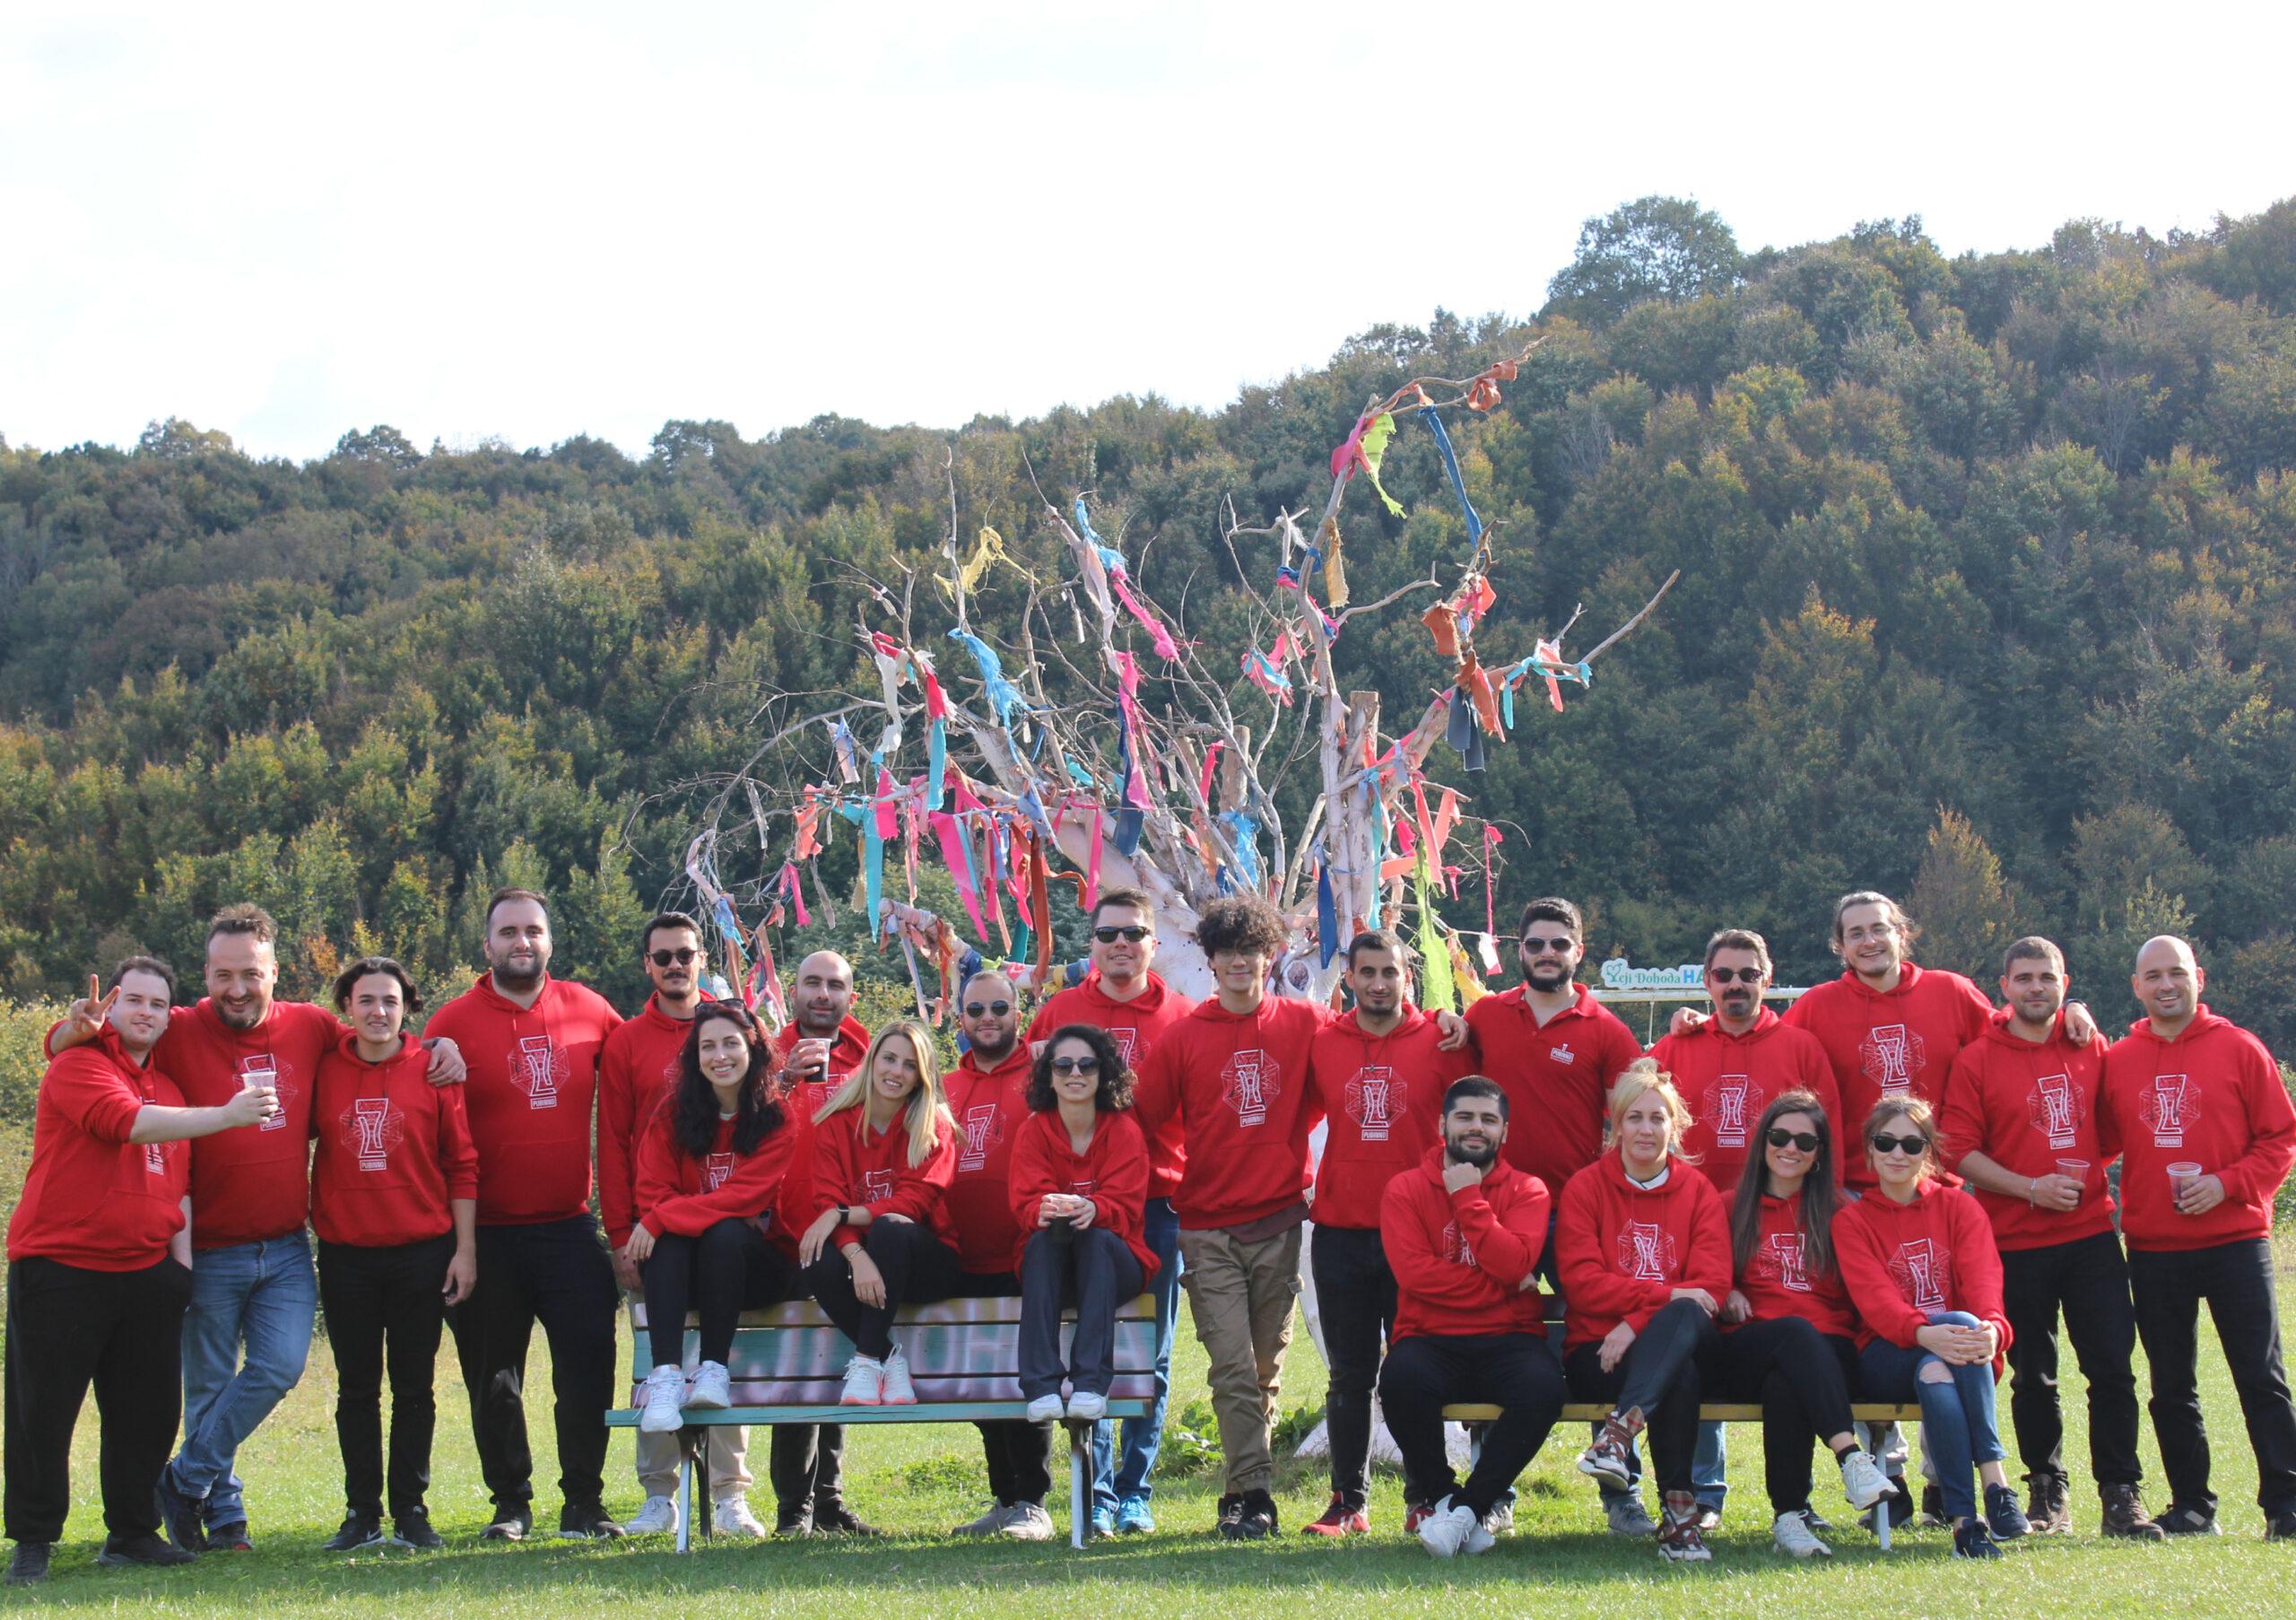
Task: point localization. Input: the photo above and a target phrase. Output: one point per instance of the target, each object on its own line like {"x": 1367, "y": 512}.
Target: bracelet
{"x": 2033, "y": 1191}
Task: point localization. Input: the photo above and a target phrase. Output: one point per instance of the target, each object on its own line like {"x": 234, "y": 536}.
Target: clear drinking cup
{"x": 2075, "y": 1170}
{"x": 2182, "y": 1174}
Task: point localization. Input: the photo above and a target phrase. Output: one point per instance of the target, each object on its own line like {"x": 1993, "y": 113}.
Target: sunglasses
{"x": 1130, "y": 935}
{"x": 975, "y": 1009}
{"x": 662, "y": 959}
{"x": 1807, "y": 1141}
{"x": 1075, "y": 1065}
{"x": 1741, "y": 975}
{"x": 1535, "y": 945}
{"x": 1913, "y": 1147}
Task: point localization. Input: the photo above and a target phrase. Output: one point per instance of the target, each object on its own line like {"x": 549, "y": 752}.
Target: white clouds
{"x": 535, "y": 221}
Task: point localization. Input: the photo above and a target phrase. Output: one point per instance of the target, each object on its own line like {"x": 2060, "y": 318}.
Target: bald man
{"x": 2195, "y": 1107}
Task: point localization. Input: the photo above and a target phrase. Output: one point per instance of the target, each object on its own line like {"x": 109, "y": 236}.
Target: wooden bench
{"x": 787, "y": 1366}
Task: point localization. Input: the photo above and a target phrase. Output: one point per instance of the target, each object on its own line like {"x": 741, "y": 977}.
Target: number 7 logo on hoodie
{"x": 538, "y": 1068}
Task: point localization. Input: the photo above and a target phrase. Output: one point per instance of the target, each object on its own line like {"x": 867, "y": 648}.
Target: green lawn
{"x": 918, "y": 1481}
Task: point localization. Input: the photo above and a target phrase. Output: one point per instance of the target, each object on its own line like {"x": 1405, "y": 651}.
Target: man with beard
{"x": 638, "y": 1065}
{"x": 2021, "y": 1112}
{"x": 253, "y": 1291}
{"x": 533, "y": 1044}
{"x": 2194, "y": 1105}
{"x": 1380, "y": 1074}
{"x": 1463, "y": 1231}
{"x": 987, "y": 1093}
{"x": 1121, "y": 995}
{"x": 822, "y": 1045}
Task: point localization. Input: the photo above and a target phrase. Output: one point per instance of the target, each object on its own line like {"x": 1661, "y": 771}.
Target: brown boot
{"x": 1609, "y": 1458}
{"x": 2046, "y": 1510}
{"x": 2124, "y": 1515}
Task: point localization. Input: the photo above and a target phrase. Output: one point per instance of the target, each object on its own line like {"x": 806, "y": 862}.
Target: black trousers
{"x": 2236, "y": 1280}
{"x": 2088, "y": 1280}
{"x": 1517, "y": 1372}
{"x": 1663, "y": 1373}
{"x": 555, "y": 1273}
{"x": 1802, "y": 1378}
{"x": 806, "y": 1463}
{"x": 918, "y": 1267}
{"x": 1019, "y": 1452}
{"x": 384, "y": 1306}
{"x": 68, "y": 1327}
{"x": 1355, "y": 1302}
{"x": 1093, "y": 1271}
{"x": 728, "y": 1270}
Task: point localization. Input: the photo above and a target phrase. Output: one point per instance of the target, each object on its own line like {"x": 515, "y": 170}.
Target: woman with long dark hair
{"x": 1080, "y": 1194}
{"x": 1787, "y": 1326}
{"x": 710, "y": 1173}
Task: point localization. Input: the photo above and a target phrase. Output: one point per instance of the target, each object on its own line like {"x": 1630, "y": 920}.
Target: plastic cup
{"x": 2182, "y": 1174}
{"x": 2075, "y": 1170}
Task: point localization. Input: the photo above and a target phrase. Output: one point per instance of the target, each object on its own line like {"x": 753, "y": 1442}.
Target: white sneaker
{"x": 1085, "y": 1407}
{"x": 1792, "y": 1536}
{"x": 898, "y": 1390}
{"x": 864, "y": 1382}
{"x": 1027, "y": 1522}
{"x": 710, "y": 1389}
{"x": 731, "y": 1516}
{"x": 665, "y": 1398}
{"x": 1045, "y": 1409}
{"x": 658, "y": 1517}
{"x": 1863, "y": 1481}
{"x": 1452, "y": 1530}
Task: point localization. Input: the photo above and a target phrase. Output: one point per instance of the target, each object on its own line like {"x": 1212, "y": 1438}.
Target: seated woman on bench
{"x": 1080, "y": 1194}
{"x": 1644, "y": 1255}
{"x": 710, "y": 1173}
{"x": 1925, "y": 1275}
{"x": 881, "y": 1237}
{"x": 1789, "y": 1327}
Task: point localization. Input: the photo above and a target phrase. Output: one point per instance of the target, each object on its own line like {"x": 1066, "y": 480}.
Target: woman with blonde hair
{"x": 877, "y": 1233}
{"x": 1644, "y": 1250}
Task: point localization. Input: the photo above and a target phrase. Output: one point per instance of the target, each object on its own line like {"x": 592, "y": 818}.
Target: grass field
{"x": 916, "y": 1481}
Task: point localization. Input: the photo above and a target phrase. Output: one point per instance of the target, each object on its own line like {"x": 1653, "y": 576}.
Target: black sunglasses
{"x": 1535, "y": 945}
{"x": 1132, "y": 935}
{"x": 1743, "y": 975}
{"x": 1807, "y": 1141}
{"x": 1075, "y": 1065}
{"x": 662, "y": 959}
{"x": 974, "y": 1009}
{"x": 1913, "y": 1147}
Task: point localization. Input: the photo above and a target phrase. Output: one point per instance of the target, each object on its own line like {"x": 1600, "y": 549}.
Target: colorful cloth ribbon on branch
{"x": 1434, "y": 420}
{"x": 1436, "y": 990}
{"x": 1364, "y": 448}
{"x": 1492, "y": 839}
{"x": 1261, "y": 671}
{"x": 791, "y": 888}
{"x": 989, "y": 548}
{"x": 1335, "y": 573}
{"x": 848, "y": 753}
{"x": 1243, "y": 829}
{"x": 1003, "y": 697}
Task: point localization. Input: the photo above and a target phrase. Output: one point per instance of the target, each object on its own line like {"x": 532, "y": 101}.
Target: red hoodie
{"x": 988, "y": 1110}
{"x": 1233, "y": 1091}
{"x": 93, "y": 1199}
{"x": 1904, "y": 1262}
{"x": 853, "y": 1165}
{"x": 2024, "y": 1105}
{"x": 680, "y": 1194}
{"x": 2211, "y": 1097}
{"x": 1136, "y": 1026}
{"x": 1889, "y": 1043}
{"x": 1779, "y": 1281}
{"x": 1622, "y": 1249}
{"x": 1460, "y": 1258}
{"x": 1383, "y": 1095}
{"x": 392, "y": 1148}
{"x": 1557, "y": 1077}
{"x": 1113, "y": 1172}
{"x": 1728, "y": 1080}
{"x": 534, "y": 1082}
{"x": 638, "y": 1066}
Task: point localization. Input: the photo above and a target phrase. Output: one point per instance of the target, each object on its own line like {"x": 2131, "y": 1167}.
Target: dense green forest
{"x": 1988, "y": 598}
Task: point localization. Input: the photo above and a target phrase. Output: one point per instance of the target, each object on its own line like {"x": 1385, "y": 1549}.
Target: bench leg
{"x": 1882, "y": 1522}
{"x": 1080, "y": 1482}
{"x": 686, "y": 1499}
{"x": 705, "y": 1504}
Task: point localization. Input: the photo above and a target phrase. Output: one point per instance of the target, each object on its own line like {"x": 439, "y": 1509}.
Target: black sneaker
{"x": 2280, "y": 1527}
{"x": 360, "y": 1531}
{"x": 510, "y": 1524}
{"x": 2188, "y": 1521}
{"x": 587, "y": 1521}
{"x": 29, "y": 1567}
{"x": 1973, "y": 1540}
{"x": 1232, "y": 1518}
{"x": 794, "y": 1521}
{"x": 149, "y": 1550}
{"x": 831, "y": 1516}
{"x": 1933, "y": 1507}
{"x": 1258, "y": 1519}
{"x": 415, "y": 1532}
{"x": 231, "y": 1538}
{"x": 180, "y": 1514}
{"x": 1816, "y": 1521}
{"x": 2003, "y": 1516}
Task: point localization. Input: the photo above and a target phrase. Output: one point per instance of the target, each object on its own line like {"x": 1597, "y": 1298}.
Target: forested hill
{"x": 1988, "y": 595}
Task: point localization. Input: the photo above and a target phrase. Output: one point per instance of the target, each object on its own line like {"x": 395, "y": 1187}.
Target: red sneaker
{"x": 1339, "y": 1520}
{"x": 1415, "y": 1515}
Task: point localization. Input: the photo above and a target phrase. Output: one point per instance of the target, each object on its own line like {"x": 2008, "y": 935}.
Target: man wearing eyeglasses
{"x": 1122, "y": 996}
{"x": 988, "y": 1094}
{"x": 638, "y": 1064}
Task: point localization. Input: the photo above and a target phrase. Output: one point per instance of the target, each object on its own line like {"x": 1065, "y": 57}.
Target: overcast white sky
{"x": 534, "y": 220}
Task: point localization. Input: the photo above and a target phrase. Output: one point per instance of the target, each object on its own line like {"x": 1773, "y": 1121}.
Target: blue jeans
{"x": 264, "y": 1295}
{"x": 1142, "y": 1435}
{"x": 1958, "y": 1428}
{"x": 1708, "y": 1466}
